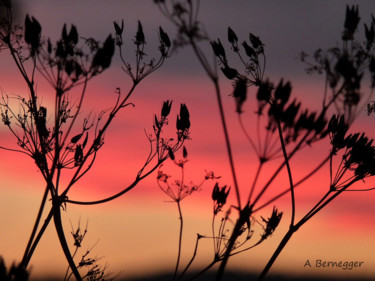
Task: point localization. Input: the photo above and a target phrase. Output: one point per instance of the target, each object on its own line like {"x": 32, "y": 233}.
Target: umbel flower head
{"x": 359, "y": 152}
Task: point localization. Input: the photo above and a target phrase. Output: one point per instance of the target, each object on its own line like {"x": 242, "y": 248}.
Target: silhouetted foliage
{"x": 65, "y": 144}
{"x": 52, "y": 137}
{"x": 288, "y": 126}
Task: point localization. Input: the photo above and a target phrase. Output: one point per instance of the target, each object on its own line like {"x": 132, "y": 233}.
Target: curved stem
{"x": 291, "y": 154}
{"x": 130, "y": 187}
{"x": 63, "y": 243}
{"x": 286, "y": 191}
{"x": 289, "y": 172}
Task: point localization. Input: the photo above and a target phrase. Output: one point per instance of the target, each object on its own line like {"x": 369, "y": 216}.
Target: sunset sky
{"x": 137, "y": 234}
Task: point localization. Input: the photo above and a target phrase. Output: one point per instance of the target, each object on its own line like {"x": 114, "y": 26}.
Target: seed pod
{"x": 232, "y": 37}
{"x": 248, "y": 50}
{"x": 140, "y": 37}
{"x": 184, "y": 152}
{"x": 164, "y": 38}
{"x": 218, "y": 48}
{"x": 73, "y": 35}
{"x": 255, "y": 41}
{"x": 166, "y": 109}
{"x": 119, "y": 29}
{"x": 76, "y": 138}
{"x": 171, "y": 154}
{"x": 32, "y": 32}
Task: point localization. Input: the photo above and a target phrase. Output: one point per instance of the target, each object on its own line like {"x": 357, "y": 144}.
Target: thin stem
{"x": 203, "y": 270}
{"x": 230, "y": 245}
{"x": 227, "y": 142}
{"x": 325, "y": 203}
{"x": 247, "y": 135}
{"x": 26, "y": 260}
{"x": 289, "y": 173}
{"x": 101, "y": 133}
{"x": 255, "y": 180}
{"x": 36, "y": 224}
{"x": 202, "y": 59}
{"x": 291, "y": 154}
{"x": 192, "y": 258}
{"x": 63, "y": 243}
{"x": 293, "y": 228}
{"x": 275, "y": 255}
{"x": 179, "y": 239}
{"x": 286, "y": 191}
{"x": 130, "y": 187}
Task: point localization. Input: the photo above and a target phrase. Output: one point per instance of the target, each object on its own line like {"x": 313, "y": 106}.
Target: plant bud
{"x": 140, "y": 37}
{"x": 166, "y": 109}
{"x": 218, "y": 48}
{"x": 164, "y": 38}
{"x": 232, "y": 37}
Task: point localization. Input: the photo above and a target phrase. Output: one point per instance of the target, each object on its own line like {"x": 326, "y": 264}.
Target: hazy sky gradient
{"x": 138, "y": 233}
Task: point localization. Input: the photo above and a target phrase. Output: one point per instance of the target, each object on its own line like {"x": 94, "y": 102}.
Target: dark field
{"x": 236, "y": 277}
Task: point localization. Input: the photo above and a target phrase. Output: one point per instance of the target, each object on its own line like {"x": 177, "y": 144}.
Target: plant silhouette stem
{"x": 179, "y": 238}
{"x": 255, "y": 180}
{"x": 213, "y": 76}
{"x": 192, "y": 258}
{"x": 36, "y": 224}
{"x": 203, "y": 270}
{"x": 275, "y": 255}
{"x": 227, "y": 142}
{"x": 27, "y": 258}
{"x": 293, "y": 228}
{"x": 289, "y": 173}
{"x": 130, "y": 187}
{"x": 64, "y": 245}
{"x": 286, "y": 191}
{"x": 291, "y": 154}
{"x": 232, "y": 241}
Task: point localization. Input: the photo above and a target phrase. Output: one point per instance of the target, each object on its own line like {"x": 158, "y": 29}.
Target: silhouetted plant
{"x": 62, "y": 145}
{"x": 94, "y": 272}
{"x": 15, "y": 273}
{"x": 288, "y": 128}
{"x": 178, "y": 189}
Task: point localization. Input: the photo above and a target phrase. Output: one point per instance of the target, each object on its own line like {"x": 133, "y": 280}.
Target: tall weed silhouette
{"x": 283, "y": 127}
{"x": 62, "y": 144}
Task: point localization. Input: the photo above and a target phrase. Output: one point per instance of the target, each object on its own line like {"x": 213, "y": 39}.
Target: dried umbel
{"x": 63, "y": 151}
{"x": 358, "y": 153}
{"x": 142, "y": 67}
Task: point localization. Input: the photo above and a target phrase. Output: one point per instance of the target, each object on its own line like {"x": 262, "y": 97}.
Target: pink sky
{"x": 135, "y": 231}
